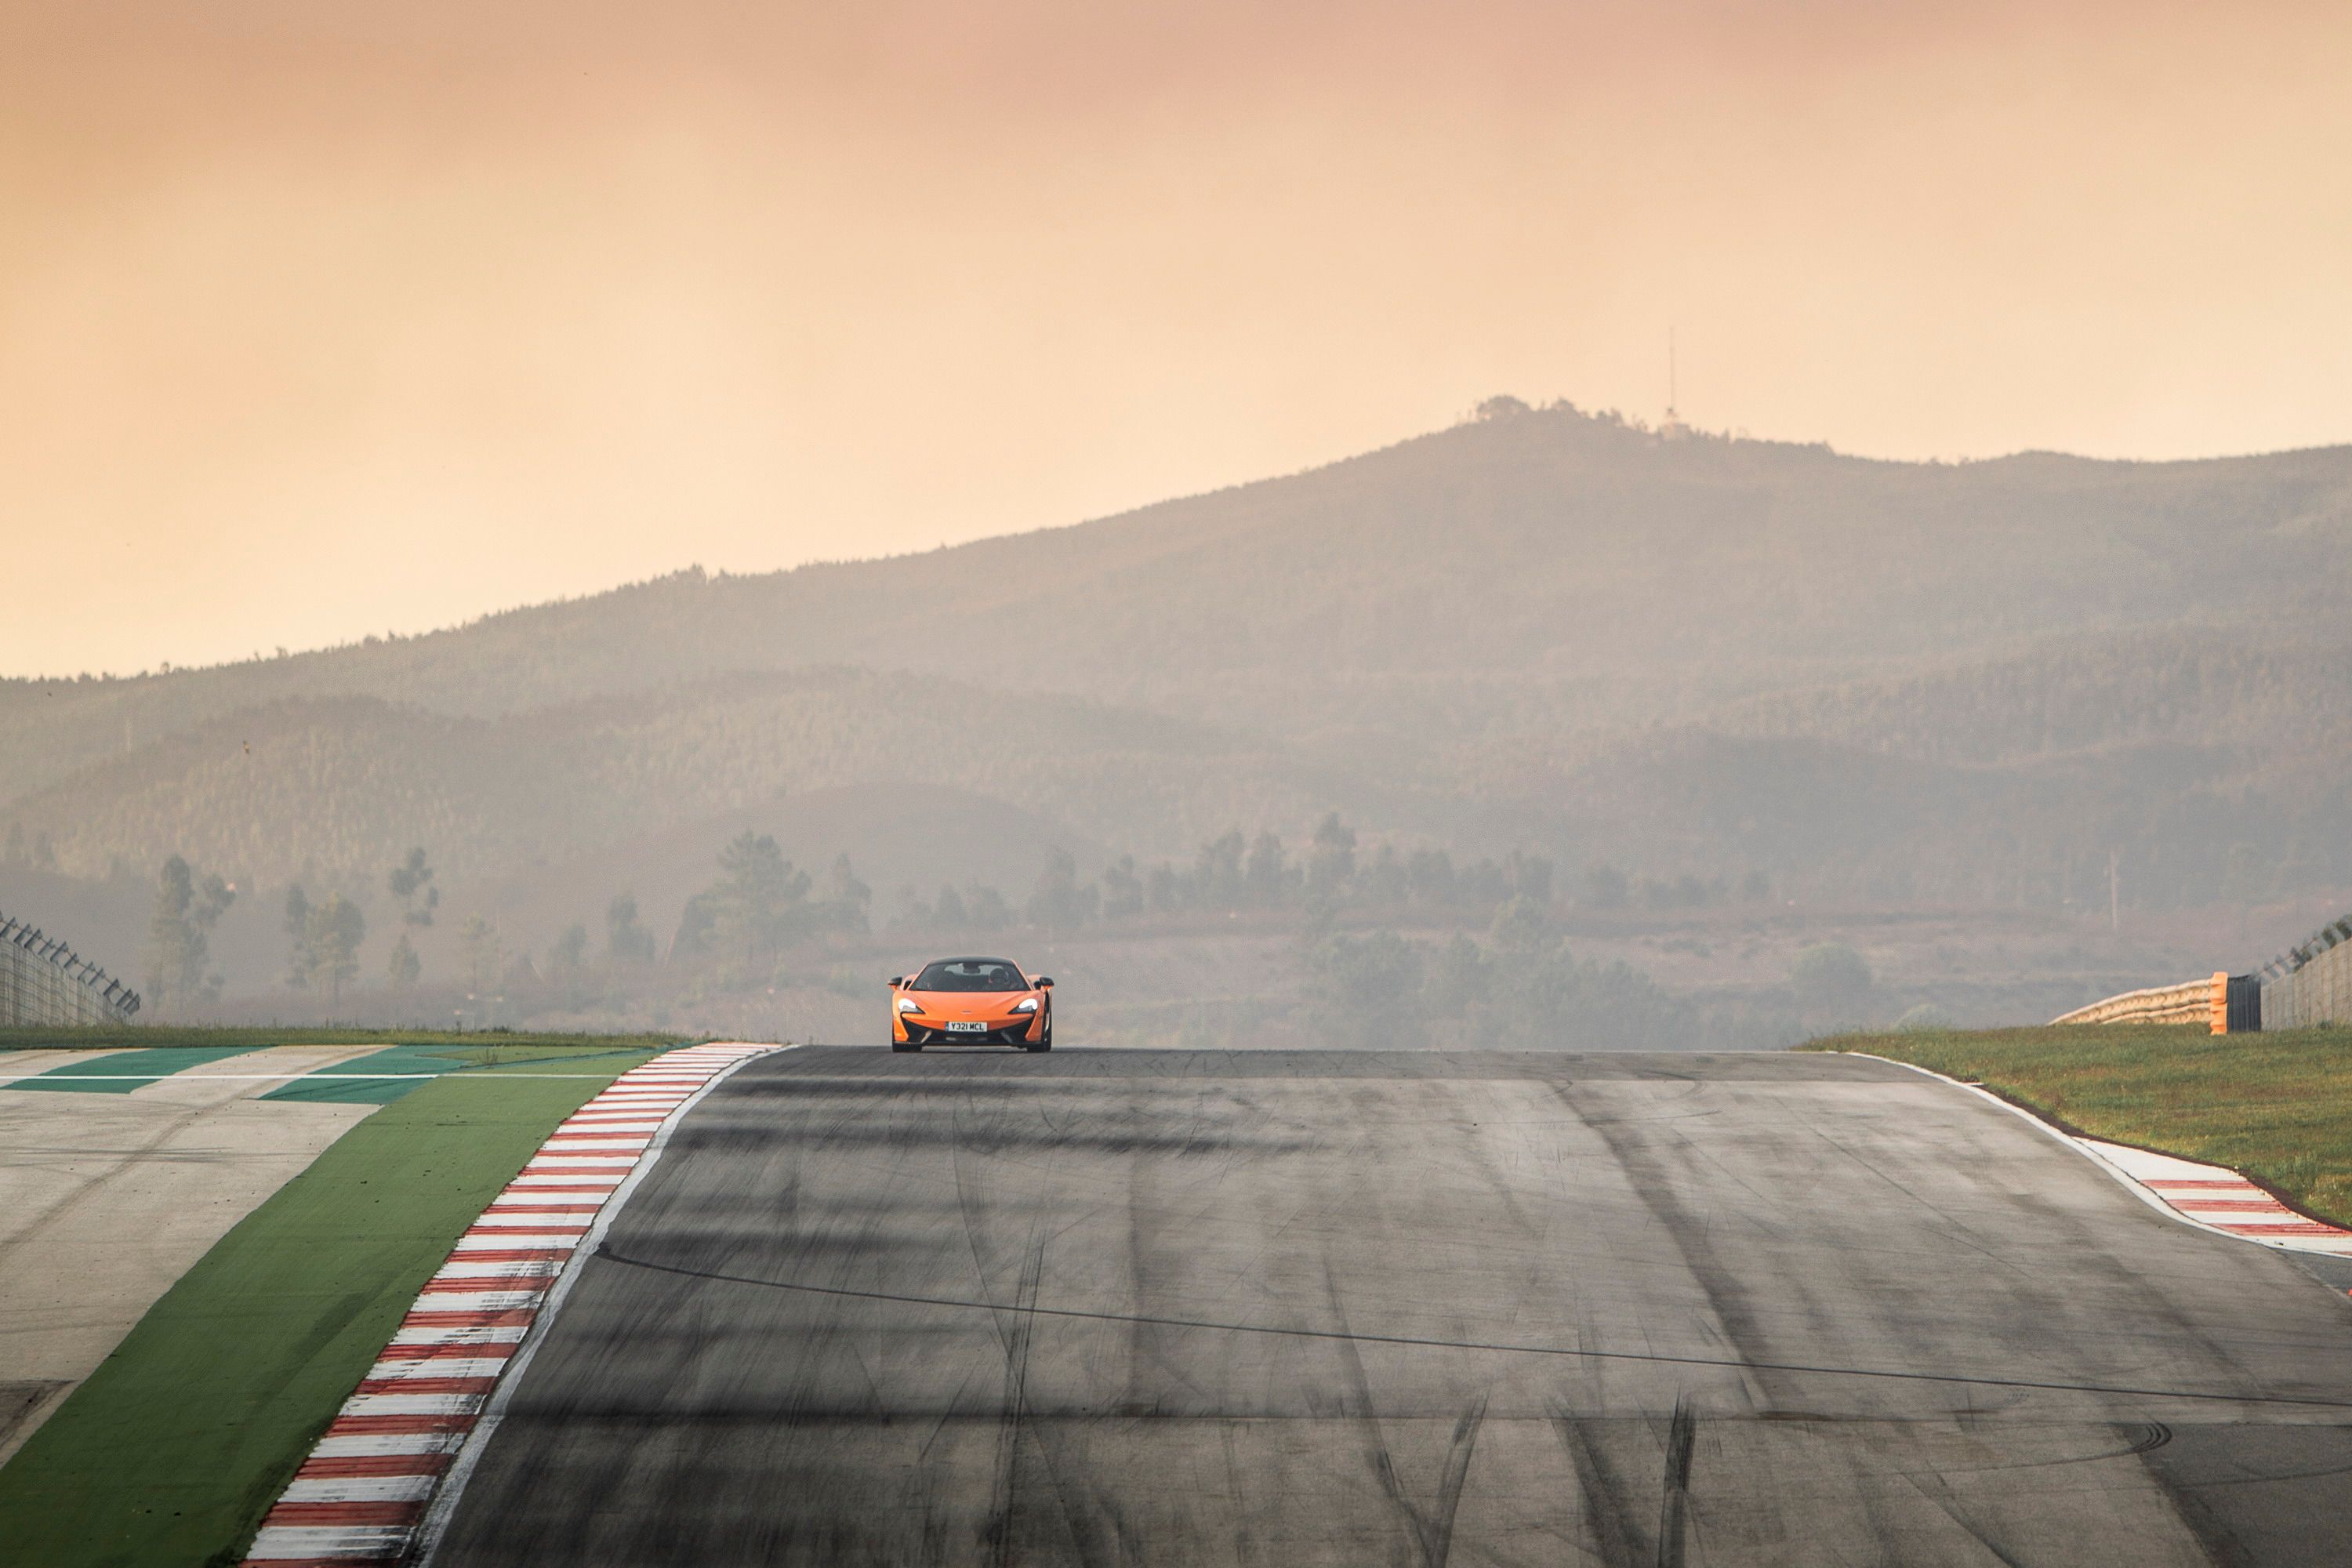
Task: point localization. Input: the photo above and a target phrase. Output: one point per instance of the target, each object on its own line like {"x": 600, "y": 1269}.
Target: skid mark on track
{"x": 1004, "y": 1490}
{"x": 1935, "y": 1492}
{"x": 1437, "y": 1536}
{"x": 1015, "y": 1327}
{"x": 1144, "y": 1222}
{"x": 1608, "y": 1500}
{"x": 1674, "y": 1508}
{"x": 1432, "y": 1528}
{"x": 1363, "y": 1414}
{"x": 1652, "y": 1169}
{"x": 1614, "y": 1505}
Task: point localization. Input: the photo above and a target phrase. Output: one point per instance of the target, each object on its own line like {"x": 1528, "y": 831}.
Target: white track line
{"x": 379, "y": 1485}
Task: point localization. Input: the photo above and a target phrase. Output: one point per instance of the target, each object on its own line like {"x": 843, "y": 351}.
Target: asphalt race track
{"x": 1180, "y": 1308}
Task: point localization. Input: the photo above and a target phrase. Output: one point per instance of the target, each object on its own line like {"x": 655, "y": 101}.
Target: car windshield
{"x": 971, "y": 975}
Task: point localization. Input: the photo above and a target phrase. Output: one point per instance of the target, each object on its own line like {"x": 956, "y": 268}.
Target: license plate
{"x": 957, "y": 1028}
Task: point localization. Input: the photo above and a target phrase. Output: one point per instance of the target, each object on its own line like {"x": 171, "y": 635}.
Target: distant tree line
{"x": 1518, "y": 990}
{"x": 1607, "y": 887}
{"x": 1521, "y": 988}
{"x": 759, "y": 909}
{"x": 1233, "y": 873}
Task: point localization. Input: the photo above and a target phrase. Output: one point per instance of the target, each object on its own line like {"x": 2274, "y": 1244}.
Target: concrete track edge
{"x": 445, "y": 1497}
{"x": 2124, "y": 1178}
{"x": 364, "y": 1494}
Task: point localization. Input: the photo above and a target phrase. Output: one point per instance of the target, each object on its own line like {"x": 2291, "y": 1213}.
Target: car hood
{"x": 967, "y": 1001}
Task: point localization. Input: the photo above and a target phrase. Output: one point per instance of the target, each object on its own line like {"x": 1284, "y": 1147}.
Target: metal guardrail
{"x": 2303, "y": 986}
{"x": 2190, "y": 1002}
{"x": 43, "y": 981}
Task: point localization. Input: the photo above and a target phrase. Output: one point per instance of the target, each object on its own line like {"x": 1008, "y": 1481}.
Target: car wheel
{"x": 906, "y": 1046}
{"x": 1044, "y": 1044}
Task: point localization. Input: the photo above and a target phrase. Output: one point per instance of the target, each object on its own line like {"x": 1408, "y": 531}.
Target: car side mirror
{"x": 896, "y": 981}
{"x": 1044, "y": 983}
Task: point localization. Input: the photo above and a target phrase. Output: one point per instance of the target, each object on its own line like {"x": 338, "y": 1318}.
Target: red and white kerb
{"x": 361, "y": 1494}
{"x": 2215, "y": 1195}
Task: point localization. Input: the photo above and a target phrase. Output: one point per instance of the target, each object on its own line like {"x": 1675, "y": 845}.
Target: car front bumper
{"x": 1021, "y": 1029}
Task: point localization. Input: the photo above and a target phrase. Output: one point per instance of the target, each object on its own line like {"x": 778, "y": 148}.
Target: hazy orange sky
{"x": 320, "y": 318}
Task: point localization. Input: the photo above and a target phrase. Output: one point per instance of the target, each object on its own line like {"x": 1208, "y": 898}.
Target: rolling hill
{"x": 1963, "y": 683}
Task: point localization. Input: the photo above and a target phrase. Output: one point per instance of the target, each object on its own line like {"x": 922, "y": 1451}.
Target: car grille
{"x": 1010, "y": 1034}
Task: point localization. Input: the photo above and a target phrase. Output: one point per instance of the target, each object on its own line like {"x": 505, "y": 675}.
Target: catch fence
{"x": 2311, "y": 983}
{"x": 44, "y": 982}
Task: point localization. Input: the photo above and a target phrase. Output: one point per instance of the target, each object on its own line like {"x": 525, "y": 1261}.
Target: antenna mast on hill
{"x": 1673, "y": 428}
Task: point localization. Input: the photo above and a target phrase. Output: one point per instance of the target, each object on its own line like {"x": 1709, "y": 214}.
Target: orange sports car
{"x": 971, "y": 1002}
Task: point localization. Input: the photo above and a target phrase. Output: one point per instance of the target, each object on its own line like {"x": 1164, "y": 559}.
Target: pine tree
{"x": 626, "y": 941}
{"x": 1217, "y": 872}
{"x": 1264, "y": 873}
{"x": 480, "y": 953}
{"x": 176, "y": 948}
{"x": 987, "y": 909}
{"x": 847, "y": 899}
{"x": 336, "y": 929}
{"x": 405, "y": 967}
{"x": 298, "y": 936}
{"x": 1122, "y": 890}
{"x": 1058, "y": 902}
{"x": 759, "y": 905}
{"x": 571, "y": 948}
{"x": 1333, "y": 860}
{"x": 408, "y": 880}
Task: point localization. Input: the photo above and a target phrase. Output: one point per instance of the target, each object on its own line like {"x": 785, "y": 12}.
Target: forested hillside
{"x": 2271, "y": 692}
{"x": 1686, "y": 656}
{"x": 336, "y": 786}
{"x": 1527, "y": 573}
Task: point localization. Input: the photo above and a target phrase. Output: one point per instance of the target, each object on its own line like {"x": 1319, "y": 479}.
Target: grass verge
{"x": 174, "y": 1449}
{"x": 2276, "y": 1106}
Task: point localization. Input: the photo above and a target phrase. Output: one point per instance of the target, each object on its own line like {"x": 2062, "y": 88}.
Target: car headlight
{"x": 908, "y": 1005}
{"x": 1026, "y": 1004}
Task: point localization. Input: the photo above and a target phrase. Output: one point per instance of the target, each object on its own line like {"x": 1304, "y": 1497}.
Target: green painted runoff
{"x": 174, "y": 1448}
{"x": 125, "y": 1070}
